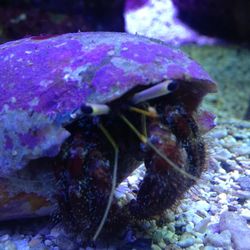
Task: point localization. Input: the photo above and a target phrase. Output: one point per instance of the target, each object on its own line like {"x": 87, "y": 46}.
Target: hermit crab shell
{"x": 44, "y": 79}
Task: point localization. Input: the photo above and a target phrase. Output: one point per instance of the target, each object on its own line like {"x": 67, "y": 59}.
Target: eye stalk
{"x": 94, "y": 109}
{"x": 158, "y": 90}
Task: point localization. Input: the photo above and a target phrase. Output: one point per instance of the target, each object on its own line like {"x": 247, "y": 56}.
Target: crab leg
{"x": 86, "y": 189}
{"x": 158, "y": 90}
{"x": 87, "y": 183}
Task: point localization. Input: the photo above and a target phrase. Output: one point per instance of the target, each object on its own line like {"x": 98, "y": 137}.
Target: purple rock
{"x": 219, "y": 240}
{"x": 238, "y": 228}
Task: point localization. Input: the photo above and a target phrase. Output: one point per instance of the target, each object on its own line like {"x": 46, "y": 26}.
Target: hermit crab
{"x": 79, "y": 112}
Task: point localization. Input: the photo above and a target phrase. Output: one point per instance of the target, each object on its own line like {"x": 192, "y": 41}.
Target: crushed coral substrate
{"x": 214, "y": 215}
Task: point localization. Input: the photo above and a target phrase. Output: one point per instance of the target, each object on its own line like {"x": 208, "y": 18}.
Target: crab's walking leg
{"x": 162, "y": 185}
{"x": 86, "y": 188}
{"x": 87, "y": 183}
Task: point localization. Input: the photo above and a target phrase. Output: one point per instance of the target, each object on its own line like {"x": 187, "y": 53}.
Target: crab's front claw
{"x": 174, "y": 161}
{"x": 161, "y": 185}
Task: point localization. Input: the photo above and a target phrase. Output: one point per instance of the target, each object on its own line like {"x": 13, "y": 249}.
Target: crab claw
{"x": 180, "y": 142}
{"x": 155, "y": 91}
{"x": 161, "y": 185}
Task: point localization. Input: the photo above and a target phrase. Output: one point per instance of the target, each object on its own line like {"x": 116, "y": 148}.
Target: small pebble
{"x": 170, "y": 216}
{"x": 4, "y": 237}
{"x": 190, "y": 227}
{"x": 223, "y": 154}
{"x": 171, "y": 227}
{"x": 232, "y": 208}
{"x": 219, "y": 133}
{"x": 192, "y": 216}
{"x": 242, "y": 194}
{"x": 168, "y": 236}
{"x": 245, "y": 213}
{"x": 222, "y": 198}
{"x": 8, "y": 245}
{"x": 48, "y": 243}
{"x": 155, "y": 247}
{"x": 213, "y": 209}
{"x": 226, "y": 166}
{"x": 202, "y": 225}
{"x": 162, "y": 244}
{"x": 188, "y": 242}
{"x": 243, "y": 149}
{"x": 244, "y": 182}
{"x": 219, "y": 188}
{"x": 157, "y": 236}
{"x": 210, "y": 248}
{"x": 202, "y": 205}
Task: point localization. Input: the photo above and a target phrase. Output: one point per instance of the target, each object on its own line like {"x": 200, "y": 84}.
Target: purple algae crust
{"x": 42, "y": 80}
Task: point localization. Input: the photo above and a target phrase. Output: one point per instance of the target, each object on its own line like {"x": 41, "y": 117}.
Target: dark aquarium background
{"x": 215, "y": 213}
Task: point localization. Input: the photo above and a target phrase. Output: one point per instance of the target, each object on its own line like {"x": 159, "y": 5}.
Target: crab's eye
{"x": 173, "y": 86}
{"x": 87, "y": 110}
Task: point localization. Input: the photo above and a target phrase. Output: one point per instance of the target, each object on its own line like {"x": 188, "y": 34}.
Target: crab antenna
{"x": 143, "y": 112}
{"x": 155, "y": 91}
{"x": 145, "y": 140}
{"x": 144, "y": 124}
{"x": 105, "y": 215}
